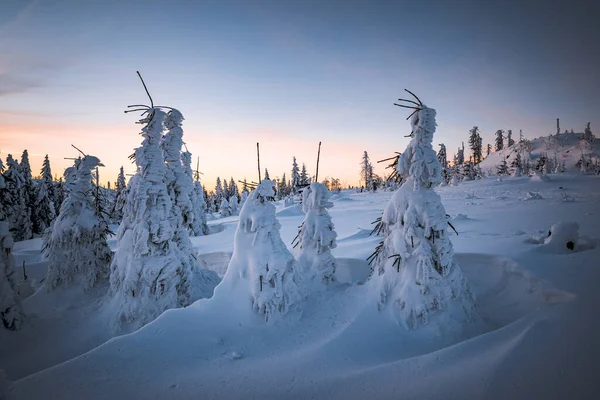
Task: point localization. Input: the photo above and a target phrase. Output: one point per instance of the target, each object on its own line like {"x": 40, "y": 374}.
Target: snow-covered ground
{"x": 537, "y": 337}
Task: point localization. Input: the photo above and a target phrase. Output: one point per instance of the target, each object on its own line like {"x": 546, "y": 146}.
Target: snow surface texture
{"x": 262, "y": 268}
{"x": 75, "y": 245}
{"x": 316, "y": 236}
{"x": 11, "y": 313}
{"x": 149, "y": 273}
{"x": 537, "y": 344}
{"x": 415, "y": 274}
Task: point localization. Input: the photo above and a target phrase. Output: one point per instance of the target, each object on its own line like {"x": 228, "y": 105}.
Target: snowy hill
{"x": 566, "y": 148}
{"x": 536, "y": 338}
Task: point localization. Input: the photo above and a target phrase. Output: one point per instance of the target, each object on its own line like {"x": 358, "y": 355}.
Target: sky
{"x": 289, "y": 74}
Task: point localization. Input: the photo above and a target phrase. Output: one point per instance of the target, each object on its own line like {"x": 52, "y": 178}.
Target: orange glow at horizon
{"x": 226, "y": 156}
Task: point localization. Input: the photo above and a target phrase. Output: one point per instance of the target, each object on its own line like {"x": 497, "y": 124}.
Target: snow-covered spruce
{"x": 116, "y": 213}
{"x": 261, "y": 263}
{"x": 198, "y": 226}
{"x": 14, "y": 201}
{"x": 44, "y": 211}
{"x": 415, "y": 274}
{"x": 181, "y": 188}
{"x": 11, "y": 313}
{"x": 316, "y": 236}
{"x": 148, "y": 275}
{"x": 75, "y": 244}
{"x": 224, "y": 207}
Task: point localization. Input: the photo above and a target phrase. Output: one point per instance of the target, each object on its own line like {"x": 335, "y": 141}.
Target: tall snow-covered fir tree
{"x": 509, "y": 140}
{"x": 224, "y": 207}
{"x": 116, "y": 213}
{"x": 267, "y": 174}
{"x": 25, "y": 168}
{"x": 460, "y": 155}
{"x": 261, "y": 264}
{"x": 233, "y": 189}
{"x": 180, "y": 187}
{"x": 75, "y": 244}
{"x": 489, "y": 150}
{"x": 199, "y": 226}
{"x": 15, "y": 195}
{"x": 218, "y": 193}
{"x": 11, "y": 312}
{"x": 475, "y": 145}
{"x": 366, "y": 171}
{"x": 148, "y": 275}
{"x": 179, "y": 184}
{"x": 517, "y": 165}
{"x": 316, "y": 236}
{"x": 499, "y": 143}
{"x": 442, "y": 156}
{"x": 44, "y": 211}
{"x": 304, "y": 180}
{"x": 415, "y": 275}
{"x": 295, "y": 182}
{"x": 587, "y": 133}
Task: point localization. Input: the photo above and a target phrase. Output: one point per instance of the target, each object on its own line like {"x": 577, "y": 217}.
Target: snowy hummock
{"x": 75, "y": 244}
{"x": 316, "y": 236}
{"x": 415, "y": 275}
{"x": 261, "y": 267}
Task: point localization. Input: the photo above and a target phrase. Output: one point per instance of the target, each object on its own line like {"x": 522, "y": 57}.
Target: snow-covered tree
{"x": 587, "y": 133}
{"x": 243, "y": 199}
{"x": 267, "y": 174}
{"x": 489, "y": 150}
{"x": 224, "y": 207}
{"x": 149, "y": 274}
{"x": 44, "y": 211}
{"x": 521, "y": 137}
{"x": 316, "y": 236}
{"x": 475, "y": 145}
{"x": 261, "y": 264}
{"x": 517, "y": 165}
{"x": 226, "y": 192}
{"x": 460, "y": 155}
{"x": 295, "y": 182}
{"x": 75, "y": 244}
{"x": 442, "y": 157}
{"x": 233, "y": 205}
{"x": 11, "y": 312}
{"x": 499, "y": 140}
{"x": 15, "y": 196}
{"x": 415, "y": 275}
{"x": 502, "y": 169}
{"x": 233, "y": 189}
{"x": 304, "y": 176}
{"x": 219, "y": 194}
{"x": 509, "y": 138}
{"x": 366, "y": 171}
{"x": 116, "y": 213}
{"x": 197, "y": 198}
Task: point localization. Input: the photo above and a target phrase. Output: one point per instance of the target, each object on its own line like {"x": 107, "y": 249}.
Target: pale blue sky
{"x": 291, "y": 73}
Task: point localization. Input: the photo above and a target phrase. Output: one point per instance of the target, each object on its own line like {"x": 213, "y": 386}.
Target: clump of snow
{"x": 261, "y": 268}
{"x": 316, "y": 236}
{"x": 529, "y": 195}
{"x": 11, "y": 313}
{"x": 415, "y": 275}
{"x": 563, "y": 238}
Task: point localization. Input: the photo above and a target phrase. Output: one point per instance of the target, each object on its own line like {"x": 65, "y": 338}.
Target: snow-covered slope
{"x": 568, "y": 148}
{"x": 537, "y": 337}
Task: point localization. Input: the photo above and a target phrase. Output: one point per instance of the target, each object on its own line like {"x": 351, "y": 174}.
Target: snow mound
{"x": 359, "y": 234}
{"x": 564, "y": 238}
{"x": 290, "y": 211}
{"x": 532, "y": 196}
{"x": 537, "y": 177}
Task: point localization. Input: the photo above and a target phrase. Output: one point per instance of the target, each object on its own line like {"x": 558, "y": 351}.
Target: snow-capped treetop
{"x": 419, "y": 161}
{"x": 316, "y": 197}
{"x": 24, "y": 166}
{"x": 174, "y": 119}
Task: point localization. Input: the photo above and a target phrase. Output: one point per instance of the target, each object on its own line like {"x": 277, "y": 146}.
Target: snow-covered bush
{"x": 11, "y": 313}
{"x": 75, "y": 244}
{"x": 148, "y": 274}
{"x": 261, "y": 263}
{"x": 414, "y": 273}
{"x": 316, "y": 236}
{"x": 224, "y": 207}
